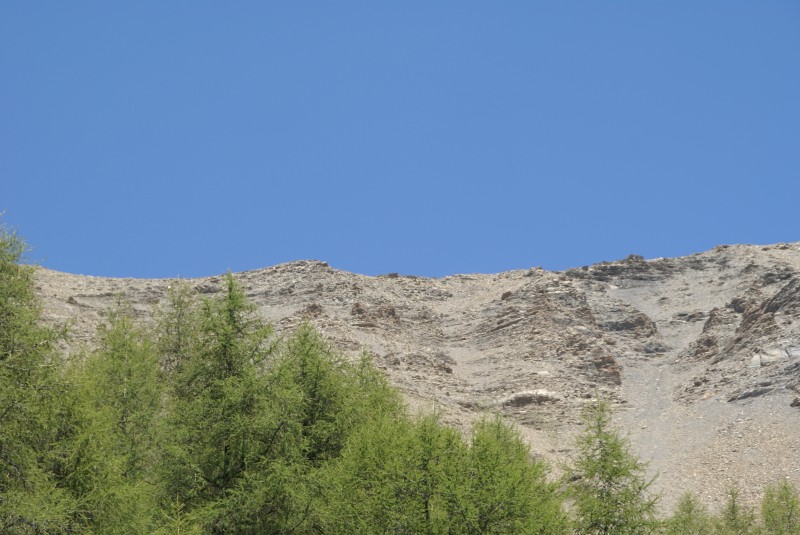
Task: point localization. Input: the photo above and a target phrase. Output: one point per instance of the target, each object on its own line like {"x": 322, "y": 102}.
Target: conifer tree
{"x": 689, "y": 518}
{"x": 231, "y": 432}
{"x": 780, "y": 509}
{"x": 391, "y": 477}
{"x": 500, "y": 489}
{"x": 335, "y": 395}
{"x": 111, "y": 446}
{"x": 610, "y": 488}
{"x": 415, "y": 475}
{"x": 177, "y": 327}
{"x": 30, "y": 388}
{"x": 736, "y": 519}
{"x": 332, "y": 398}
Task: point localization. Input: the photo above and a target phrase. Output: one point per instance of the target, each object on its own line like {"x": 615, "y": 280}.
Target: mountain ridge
{"x": 700, "y": 354}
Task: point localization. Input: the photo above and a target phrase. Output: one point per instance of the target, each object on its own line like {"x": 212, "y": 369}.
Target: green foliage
{"x": 690, "y": 518}
{"x": 233, "y": 341}
{"x": 250, "y": 423}
{"x": 323, "y": 399}
{"x": 225, "y": 419}
{"x": 736, "y": 519}
{"x": 500, "y": 489}
{"x": 610, "y": 487}
{"x": 322, "y": 406}
{"x": 110, "y": 449}
{"x": 335, "y": 396}
{"x": 178, "y": 327}
{"x": 30, "y": 389}
{"x": 390, "y": 477}
{"x": 405, "y": 475}
{"x": 780, "y": 509}
{"x": 124, "y": 382}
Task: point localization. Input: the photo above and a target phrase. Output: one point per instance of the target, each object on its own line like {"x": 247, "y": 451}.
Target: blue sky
{"x": 160, "y": 139}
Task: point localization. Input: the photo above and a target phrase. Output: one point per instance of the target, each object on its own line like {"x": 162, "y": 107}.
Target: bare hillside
{"x": 701, "y": 354}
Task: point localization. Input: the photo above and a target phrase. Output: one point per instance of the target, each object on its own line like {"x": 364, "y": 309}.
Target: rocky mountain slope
{"x": 700, "y": 354}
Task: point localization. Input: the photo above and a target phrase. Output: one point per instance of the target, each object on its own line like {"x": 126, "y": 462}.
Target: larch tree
{"x": 609, "y": 484}
{"x": 30, "y": 388}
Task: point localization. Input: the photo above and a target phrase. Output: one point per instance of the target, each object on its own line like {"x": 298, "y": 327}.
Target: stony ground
{"x": 700, "y": 354}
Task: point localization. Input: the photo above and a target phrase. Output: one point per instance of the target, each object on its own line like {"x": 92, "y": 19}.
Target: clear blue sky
{"x": 156, "y": 139}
